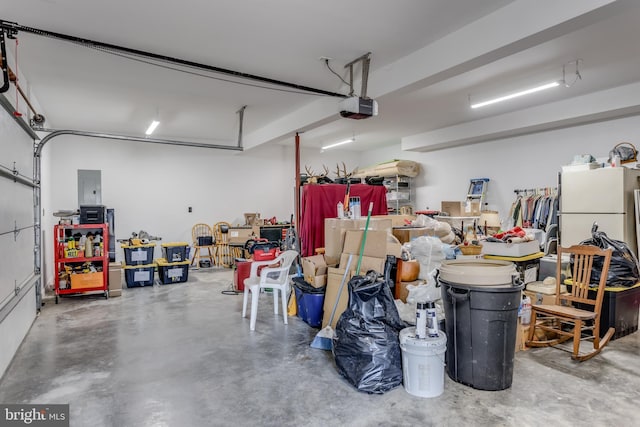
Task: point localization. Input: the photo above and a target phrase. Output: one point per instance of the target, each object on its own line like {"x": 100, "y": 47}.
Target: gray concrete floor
{"x": 181, "y": 355}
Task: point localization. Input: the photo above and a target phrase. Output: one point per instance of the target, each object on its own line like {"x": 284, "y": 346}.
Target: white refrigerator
{"x": 604, "y": 196}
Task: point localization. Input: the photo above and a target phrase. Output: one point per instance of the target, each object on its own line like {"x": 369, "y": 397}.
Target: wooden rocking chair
{"x": 561, "y": 322}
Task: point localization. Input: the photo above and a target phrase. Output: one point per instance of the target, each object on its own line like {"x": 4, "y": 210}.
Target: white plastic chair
{"x": 276, "y": 278}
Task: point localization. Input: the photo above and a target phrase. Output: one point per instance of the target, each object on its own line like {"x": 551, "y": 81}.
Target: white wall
{"x": 151, "y": 186}
{"x": 529, "y": 161}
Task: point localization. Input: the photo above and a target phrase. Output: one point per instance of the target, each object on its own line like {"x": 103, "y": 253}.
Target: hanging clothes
{"x": 535, "y": 209}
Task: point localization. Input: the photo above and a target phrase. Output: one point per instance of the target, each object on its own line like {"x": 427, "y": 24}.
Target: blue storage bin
{"x": 138, "y": 255}
{"x": 175, "y": 251}
{"x": 310, "y": 307}
{"x": 139, "y": 275}
{"x": 172, "y": 272}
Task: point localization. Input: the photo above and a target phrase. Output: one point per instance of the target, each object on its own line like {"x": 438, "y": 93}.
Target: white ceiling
{"x": 427, "y": 59}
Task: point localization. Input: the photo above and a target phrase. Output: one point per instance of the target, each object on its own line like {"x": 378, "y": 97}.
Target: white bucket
{"x": 423, "y": 363}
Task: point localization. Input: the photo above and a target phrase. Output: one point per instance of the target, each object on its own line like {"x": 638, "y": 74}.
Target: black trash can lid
{"x": 306, "y": 287}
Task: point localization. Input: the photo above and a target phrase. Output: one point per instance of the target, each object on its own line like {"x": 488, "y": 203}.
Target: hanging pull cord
{"x": 16, "y": 112}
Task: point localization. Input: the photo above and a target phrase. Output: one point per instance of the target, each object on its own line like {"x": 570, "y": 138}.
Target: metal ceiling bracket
{"x": 366, "y": 60}
{"x": 241, "y": 122}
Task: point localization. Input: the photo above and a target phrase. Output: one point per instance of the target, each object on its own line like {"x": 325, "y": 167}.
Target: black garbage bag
{"x": 306, "y": 287}
{"x": 366, "y": 347}
{"x": 624, "y": 269}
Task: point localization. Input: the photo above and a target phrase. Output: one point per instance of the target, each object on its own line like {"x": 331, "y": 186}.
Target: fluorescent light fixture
{"x": 346, "y": 141}
{"x": 154, "y": 124}
{"x": 516, "y": 94}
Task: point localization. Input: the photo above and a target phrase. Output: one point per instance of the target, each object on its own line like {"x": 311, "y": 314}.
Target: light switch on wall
{"x": 190, "y": 210}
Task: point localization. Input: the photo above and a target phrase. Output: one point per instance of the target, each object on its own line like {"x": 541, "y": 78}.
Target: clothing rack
{"x": 541, "y": 191}
{"x": 535, "y": 208}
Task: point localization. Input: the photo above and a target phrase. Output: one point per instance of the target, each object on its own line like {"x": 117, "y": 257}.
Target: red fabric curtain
{"x": 320, "y": 202}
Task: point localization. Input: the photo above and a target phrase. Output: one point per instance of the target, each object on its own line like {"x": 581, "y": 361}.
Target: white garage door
{"x": 17, "y": 280}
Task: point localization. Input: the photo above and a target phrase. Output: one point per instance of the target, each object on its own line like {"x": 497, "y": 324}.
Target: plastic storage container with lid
{"x": 138, "y": 254}
{"x": 172, "y": 272}
{"x": 175, "y": 251}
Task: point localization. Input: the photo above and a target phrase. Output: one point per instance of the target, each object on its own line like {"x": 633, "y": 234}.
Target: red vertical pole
{"x": 297, "y": 185}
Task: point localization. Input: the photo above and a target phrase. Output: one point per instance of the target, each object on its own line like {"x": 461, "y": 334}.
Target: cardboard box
{"x": 522, "y": 333}
{"x": 375, "y": 245}
{"x": 407, "y": 234}
{"x": 540, "y": 298}
{"x": 334, "y": 280}
{"x": 379, "y": 244}
{"x": 335, "y": 229}
{"x": 461, "y": 209}
{"x": 402, "y": 292}
{"x": 394, "y": 247}
{"x": 86, "y": 280}
{"x": 115, "y": 279}
{"x": 510, "y": 249}
{"x": 314, "y": 269}
{"x": 368, "y": 263}
{"x": 396, "y": 220}
{"x": 242, "y": 234}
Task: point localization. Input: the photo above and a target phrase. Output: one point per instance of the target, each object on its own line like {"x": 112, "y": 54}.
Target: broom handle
{"x": 364, "y": 237}
{"x": 344, "y": 279}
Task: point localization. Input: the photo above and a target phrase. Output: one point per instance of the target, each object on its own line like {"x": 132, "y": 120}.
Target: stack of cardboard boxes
{"x": 343, "y": 239}
{"x": 336, "y": 228}
{"x": 378, "y": 245}
{"x": 314, "y": 269}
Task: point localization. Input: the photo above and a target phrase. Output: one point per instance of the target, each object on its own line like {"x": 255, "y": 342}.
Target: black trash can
{"x": 481, "y": 300}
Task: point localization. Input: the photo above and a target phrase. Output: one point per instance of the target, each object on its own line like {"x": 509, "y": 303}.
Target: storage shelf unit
{"x": 81, "y": 282}
{"x": 400, "y": 193}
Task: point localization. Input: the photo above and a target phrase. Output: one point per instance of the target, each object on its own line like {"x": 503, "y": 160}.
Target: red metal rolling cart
{"x": 74, "y": 272}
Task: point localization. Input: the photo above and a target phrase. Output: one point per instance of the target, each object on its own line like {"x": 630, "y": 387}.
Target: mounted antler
{"x": 344, "y": 171}
{"x": 313, "y": 178}
{"x": 338, "y": 171}
{"x": 347, "y": 175}
{"x": 323, "y": 178}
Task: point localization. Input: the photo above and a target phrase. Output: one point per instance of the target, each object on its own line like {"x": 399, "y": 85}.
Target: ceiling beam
{"x": 607, "y": 104}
